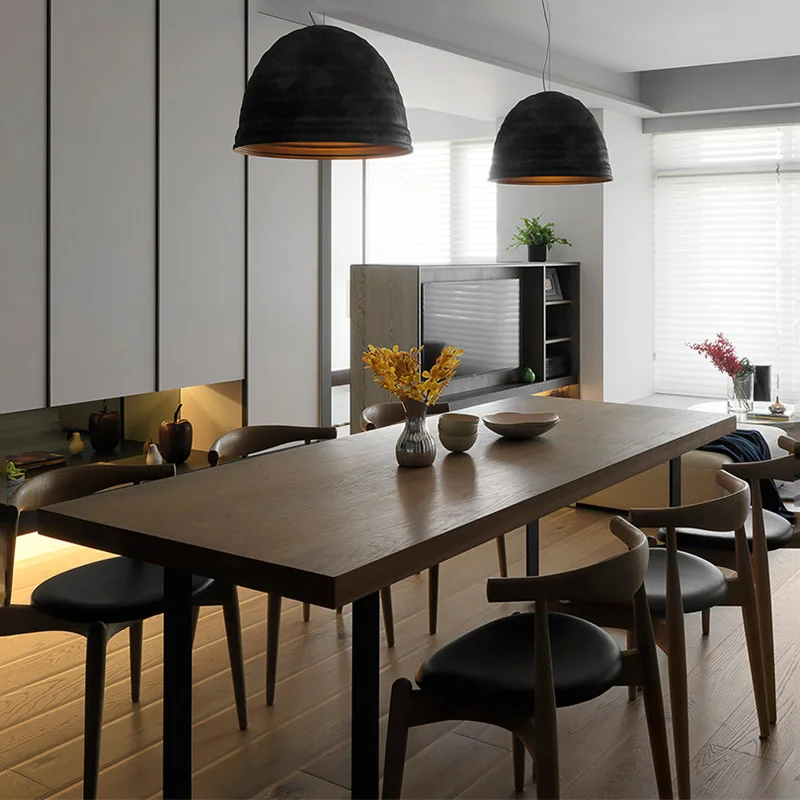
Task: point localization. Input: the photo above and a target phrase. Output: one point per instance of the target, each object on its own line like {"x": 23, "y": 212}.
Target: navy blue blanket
{"x": 742, "y": 446}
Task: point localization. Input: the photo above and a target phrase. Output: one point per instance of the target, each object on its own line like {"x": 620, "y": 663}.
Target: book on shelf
{"x": 35, "y": 459}
{"x": 756, "y": 416}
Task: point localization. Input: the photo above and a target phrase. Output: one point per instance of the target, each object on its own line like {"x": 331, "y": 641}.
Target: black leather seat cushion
{"x": 495, "y": 663}
{"x": 114, "y": 590}
{"x": 779, "y": 532}
{"x": 702, "y": 584}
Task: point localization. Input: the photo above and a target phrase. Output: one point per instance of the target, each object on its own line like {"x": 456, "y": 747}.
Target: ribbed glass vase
{"x": 740, "y": 393}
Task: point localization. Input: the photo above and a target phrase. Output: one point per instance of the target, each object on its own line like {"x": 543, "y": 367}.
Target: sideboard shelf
{"x": 510, "y": 331}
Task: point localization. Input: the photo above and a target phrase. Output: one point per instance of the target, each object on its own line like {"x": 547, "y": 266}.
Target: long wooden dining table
{"x": 336, "y": 522}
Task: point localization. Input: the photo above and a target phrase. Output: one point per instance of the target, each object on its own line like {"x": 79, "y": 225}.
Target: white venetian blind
{"x": 727, "y": 229}
{"x": 433, "y": 206}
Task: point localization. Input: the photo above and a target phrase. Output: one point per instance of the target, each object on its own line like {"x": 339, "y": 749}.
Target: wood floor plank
{"x": 14, "y": 786}
{"x": 719, "y": 772}
{"x": 449, "y": 766}
{"x": 307, "y": 787}
{"x": 786, "y": 784}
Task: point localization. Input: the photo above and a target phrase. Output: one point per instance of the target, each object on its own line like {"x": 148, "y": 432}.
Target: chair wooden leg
{"x": 656, "y": 723}
{"x": 764, "y": 604}
{"x": 135, "y": 639}
{"x": 96, "y": 642}
{"x": 752, "y": 634}
{"x": 233, "y": 633}
{"x": 306, "y": 612}
{"x": 502, "y": 556}
{"x": 273, "y": 638}
{"x": 396, "y": 739}
{"x": 679, "y": 704}
{"x": 706, "y": 619}
{"x": 388, "y": 615}
{"x": 433, "y": 599}
{"x": 518, "y": 757}
{"x": 631, "y": 645}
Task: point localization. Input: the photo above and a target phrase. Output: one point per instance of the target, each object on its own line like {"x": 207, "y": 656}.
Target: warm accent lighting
{"x": 322, "y": 92}
{"x": 550, "y": 139}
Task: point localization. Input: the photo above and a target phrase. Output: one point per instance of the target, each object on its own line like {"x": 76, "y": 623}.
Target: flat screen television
{"x": 480, "y": 317}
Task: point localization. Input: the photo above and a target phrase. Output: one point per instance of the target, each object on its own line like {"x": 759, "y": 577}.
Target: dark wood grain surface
{"x": 336, "y": 521}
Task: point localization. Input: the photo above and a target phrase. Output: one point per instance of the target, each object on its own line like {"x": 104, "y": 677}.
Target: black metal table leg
{"x": 532, "y": 548}
{"x": 365, "y": 698}
{"x": 177, "y": 750}
{"x": 675, "y": 481}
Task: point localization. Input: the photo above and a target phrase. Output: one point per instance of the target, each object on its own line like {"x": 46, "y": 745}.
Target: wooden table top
{"x": 338, "y": 520}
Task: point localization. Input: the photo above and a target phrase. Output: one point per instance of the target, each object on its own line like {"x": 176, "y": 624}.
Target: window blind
{"x": 727, "y": 229}
{"x": 433, "y": 206}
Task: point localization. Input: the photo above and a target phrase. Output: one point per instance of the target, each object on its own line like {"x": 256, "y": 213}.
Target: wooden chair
{"x": 681, "y": 583}
{"x": 765, "y": 531}
{"x": 102, "y": 599}
{"x": 253, "y": 440}
{"x": 516, "y": 671}
{"x": 381, "y": 415}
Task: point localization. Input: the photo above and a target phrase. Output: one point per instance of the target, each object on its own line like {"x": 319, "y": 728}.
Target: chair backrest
{"x": 613, "y": 581}
{"x": 58, "y": 486}
{"x": 726, "y": 513}
{"x": 244, "y": 442}
{"x": 381, "y": 415}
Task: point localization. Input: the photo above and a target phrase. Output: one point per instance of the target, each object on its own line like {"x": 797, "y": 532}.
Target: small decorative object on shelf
{"x": 528, "y": 375}
{"x": 105, "y": 429}
{"x": 152, "y": 455}
{"x": 75, "y": 446}
{"x": 722, "y": 355}
{"x": 14, "y": 475}
{"x": 175, "y": 438}
{"x": 536, "y": 237}
{"x": 777, "y": 408}
{"x": 399, "y": 372}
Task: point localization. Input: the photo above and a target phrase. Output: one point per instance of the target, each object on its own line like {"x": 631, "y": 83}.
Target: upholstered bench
{"x": 698, "y": 468}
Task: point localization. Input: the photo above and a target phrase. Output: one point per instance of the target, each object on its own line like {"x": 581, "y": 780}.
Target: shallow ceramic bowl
{"x": 457, "y": 444}
{"x": 513, "y": 425}
{"x": 458, "y": 424}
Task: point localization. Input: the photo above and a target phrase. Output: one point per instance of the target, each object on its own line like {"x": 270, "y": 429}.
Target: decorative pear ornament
{"x": 75, "y": 446}
{"x": 152, "y": 455}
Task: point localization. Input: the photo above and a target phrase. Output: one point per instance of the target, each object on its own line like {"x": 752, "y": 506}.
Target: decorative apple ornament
{"x": 105, "y": 429}
{"x": 175, "y": 438}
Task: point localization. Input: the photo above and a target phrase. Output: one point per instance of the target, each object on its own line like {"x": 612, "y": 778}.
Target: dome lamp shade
{"x": 551, "y": 139}
{"x": 322, "y": 92}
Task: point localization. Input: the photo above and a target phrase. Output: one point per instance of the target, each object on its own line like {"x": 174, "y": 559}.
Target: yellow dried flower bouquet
{"x": 400, "y": 372}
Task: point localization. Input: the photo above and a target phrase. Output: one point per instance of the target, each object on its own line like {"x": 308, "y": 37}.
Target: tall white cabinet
{"x": 23, "y": 192}
{"x": 284, "y": 331}
{"x": 201, "y": 235}
{"x": 102, "y": 192}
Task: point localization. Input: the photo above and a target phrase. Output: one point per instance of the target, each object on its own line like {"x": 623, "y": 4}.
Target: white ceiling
{"x": 624, "y": 35}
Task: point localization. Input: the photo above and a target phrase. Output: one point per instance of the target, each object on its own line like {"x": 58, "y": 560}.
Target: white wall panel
{"x": 102, "y": 199}
{"x": 283, "y": 354}
{"x": 201, "y": 189}
{"x": 23, "y": 185}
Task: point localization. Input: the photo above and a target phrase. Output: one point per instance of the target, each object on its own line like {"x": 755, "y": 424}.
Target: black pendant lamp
{"x": 550, "y": 138}
{"x": 322, "y": 92}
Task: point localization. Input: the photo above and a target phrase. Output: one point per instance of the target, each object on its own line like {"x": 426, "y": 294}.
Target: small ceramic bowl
{"x": 458, "y": 424}
{"x": 457, "y": 444}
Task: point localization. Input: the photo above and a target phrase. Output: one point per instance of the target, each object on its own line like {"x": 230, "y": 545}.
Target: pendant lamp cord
{"x": 546, "y": 65}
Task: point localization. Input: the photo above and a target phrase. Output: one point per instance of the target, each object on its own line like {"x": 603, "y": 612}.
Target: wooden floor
{"x": 299, "y": 747}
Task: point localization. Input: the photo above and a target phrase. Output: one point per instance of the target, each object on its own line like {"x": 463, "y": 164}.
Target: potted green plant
{"x": 536, "y": 237}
